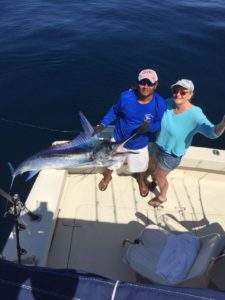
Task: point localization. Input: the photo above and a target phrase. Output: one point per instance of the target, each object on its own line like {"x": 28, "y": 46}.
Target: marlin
{"x": 86, "y": 150}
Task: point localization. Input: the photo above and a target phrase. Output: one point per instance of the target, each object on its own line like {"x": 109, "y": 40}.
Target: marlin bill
{"x": 84, "y": 151}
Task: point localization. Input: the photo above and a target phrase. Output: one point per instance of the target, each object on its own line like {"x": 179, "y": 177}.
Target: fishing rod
{"x": 17, "y": 207}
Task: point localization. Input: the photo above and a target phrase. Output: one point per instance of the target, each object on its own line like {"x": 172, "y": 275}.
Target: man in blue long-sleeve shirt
{"x": 130, "y": 111}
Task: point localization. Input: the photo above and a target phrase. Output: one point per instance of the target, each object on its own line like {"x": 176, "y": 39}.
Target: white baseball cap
{"x": 148, "y": 74}
{"x": 185, "y": 83}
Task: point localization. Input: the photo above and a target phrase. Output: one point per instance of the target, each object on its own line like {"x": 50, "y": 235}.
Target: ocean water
{"x": 60, "y": 57}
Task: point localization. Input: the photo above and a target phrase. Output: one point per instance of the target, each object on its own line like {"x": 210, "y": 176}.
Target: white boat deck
{"x": 92, "y": 224}
{"x": 83, "y": 228}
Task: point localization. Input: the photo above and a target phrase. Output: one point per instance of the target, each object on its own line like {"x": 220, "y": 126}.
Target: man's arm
{"x": 109, "y": 117}
{"x": 112, "y": 113}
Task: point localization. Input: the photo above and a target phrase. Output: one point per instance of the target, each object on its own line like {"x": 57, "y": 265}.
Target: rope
{"x": 37, "y": 127}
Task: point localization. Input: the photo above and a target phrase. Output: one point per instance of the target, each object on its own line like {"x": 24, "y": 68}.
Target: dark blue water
{"x": 59, "y": 57}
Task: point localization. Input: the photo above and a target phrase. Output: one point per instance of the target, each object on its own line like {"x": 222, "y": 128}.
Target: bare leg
{"x": 152, "y": 167}
{"x": 103, "y": 184}
{"x": 141, "y": 179}
{"x": 161, "y": 179}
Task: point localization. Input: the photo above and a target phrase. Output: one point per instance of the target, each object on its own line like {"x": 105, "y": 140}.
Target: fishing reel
{"x": 17, "y": 206}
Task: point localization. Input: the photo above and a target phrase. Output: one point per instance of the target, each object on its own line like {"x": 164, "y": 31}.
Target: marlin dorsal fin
{"x": 85, "y": 136}
{"x": 88, "y": 129}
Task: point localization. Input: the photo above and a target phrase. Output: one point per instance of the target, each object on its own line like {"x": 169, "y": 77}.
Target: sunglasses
{"x": 146, "y": 81}
{"x": 180, "y": 91}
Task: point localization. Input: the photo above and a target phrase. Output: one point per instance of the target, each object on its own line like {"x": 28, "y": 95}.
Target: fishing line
{"x": 36, "y": 127}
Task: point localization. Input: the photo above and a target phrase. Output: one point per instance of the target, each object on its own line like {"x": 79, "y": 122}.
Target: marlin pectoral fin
{"x": 31, "y": 174}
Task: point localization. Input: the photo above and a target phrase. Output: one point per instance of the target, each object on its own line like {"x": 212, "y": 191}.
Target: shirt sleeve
{"x": 112, "y": 113}
{"x": 205, "y": 127}
{"x": 155, "y": 125}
